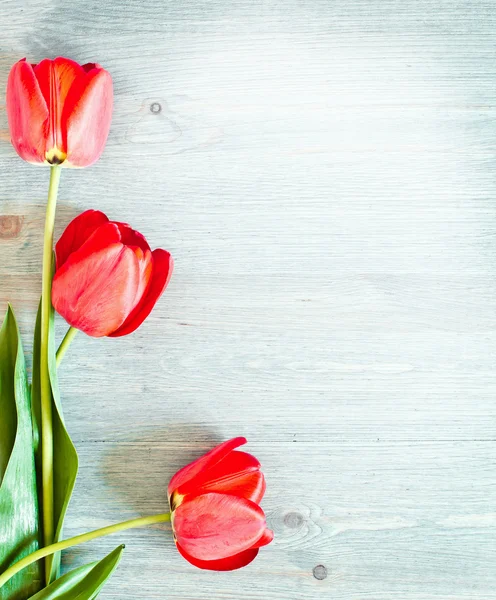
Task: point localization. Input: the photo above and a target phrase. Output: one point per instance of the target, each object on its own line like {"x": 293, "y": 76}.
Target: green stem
{"x": 80, "y": 539}
{"x": 46, "y": 391}
{"x": 65, "y": 343}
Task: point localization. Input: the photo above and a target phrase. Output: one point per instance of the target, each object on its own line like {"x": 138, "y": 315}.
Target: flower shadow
{"x": 135, "y": 472}
{"x": 138, "y": 470}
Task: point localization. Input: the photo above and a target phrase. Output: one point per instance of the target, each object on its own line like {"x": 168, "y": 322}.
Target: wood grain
{"x": 323, "y": 173}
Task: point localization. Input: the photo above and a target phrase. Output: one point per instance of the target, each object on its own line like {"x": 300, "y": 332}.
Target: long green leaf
{"x": 19, "y": 534}
{"x": 65, "y": 457}
{"x": 84, "y": 583}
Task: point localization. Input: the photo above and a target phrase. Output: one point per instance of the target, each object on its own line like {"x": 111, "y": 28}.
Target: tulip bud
{"x": 107, "y": 280}
{"x": 215, "y": 513}
{"x": 59, "y": 112}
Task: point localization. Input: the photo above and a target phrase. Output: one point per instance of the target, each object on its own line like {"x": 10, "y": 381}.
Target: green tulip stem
{"x": 80, "y": 539}
{"x": 65, "y": 343}
{"x": 46, "y": 391}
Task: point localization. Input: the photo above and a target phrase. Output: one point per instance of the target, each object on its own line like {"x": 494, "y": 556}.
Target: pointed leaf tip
{"x": 84, "y": 583}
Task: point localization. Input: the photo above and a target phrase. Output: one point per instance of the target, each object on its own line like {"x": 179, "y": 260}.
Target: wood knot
{"x": 320, "y": 572}
{"x": 10, "y": 226}
{"x": 155, "y": 108}
{"x": 293, "y": 520}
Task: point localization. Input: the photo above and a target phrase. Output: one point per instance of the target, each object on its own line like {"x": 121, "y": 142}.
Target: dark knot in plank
{"x": 293, "y": 520}
{"x": 10, "y": 226}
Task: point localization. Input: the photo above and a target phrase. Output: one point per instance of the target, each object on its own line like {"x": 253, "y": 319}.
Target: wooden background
{"x": 323, "y": 172}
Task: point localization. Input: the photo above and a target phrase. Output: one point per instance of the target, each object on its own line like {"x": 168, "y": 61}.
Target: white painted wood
{"x": 323, "y": 173}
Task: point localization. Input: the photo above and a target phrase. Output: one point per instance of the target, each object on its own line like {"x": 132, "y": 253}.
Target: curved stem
{"x": 46, "y": 391}
{"x": 65, "y": 343}
{"x": 80, "y": 539}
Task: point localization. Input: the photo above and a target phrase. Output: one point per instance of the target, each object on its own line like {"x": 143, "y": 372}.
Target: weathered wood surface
{"x": 323, "y": 173}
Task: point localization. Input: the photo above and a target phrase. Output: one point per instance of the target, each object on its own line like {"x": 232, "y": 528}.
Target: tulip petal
{"x": 160, "y": 277}
{"x": 27, "y": 113}
{"x": 90, "y": 66}
{"x": 145, "y": 262}
{"x": 56, "y": 79}
{"x": 237, "y": 474}
{"x": 236, "y": 461}
{"x": 131, "y": 237}
{"x": 77, "y": 233}
{"x": 203, "y": 463}
{"x": 95, "y": 288}
{"x": 87, "y": 114}
{"x": 213, "y": 526}
{"x": 247, "y": 485}
{"x": 223, "y": 564}
{"x": 104, "y": 236}
{"x": 137, "y": 242}
{"x": 267, "y": 537}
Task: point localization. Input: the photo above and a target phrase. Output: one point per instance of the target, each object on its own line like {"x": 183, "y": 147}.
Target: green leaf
{"x": 19, "y": 517}
{"x": 84, "y": 583}
{"x": 65, "y": 458}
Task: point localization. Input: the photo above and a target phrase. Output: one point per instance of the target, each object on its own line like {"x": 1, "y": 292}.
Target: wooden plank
{"x": 385, "y": 519}
{"x": 323, "y": 173}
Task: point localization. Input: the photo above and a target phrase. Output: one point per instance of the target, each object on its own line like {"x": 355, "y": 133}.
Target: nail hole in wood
{"x": 320, "y": 572}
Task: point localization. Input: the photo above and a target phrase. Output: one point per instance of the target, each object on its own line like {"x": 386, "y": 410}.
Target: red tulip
{"x": 107, "y": 280}
{"x": 59, "y": 111}
{"x": 216, "y": 518}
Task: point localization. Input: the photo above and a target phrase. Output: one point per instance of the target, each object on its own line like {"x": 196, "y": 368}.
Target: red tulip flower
{"x": 107, "y": 280}
{"x": 59, "y": 112}
{"x": 216, "y": 518}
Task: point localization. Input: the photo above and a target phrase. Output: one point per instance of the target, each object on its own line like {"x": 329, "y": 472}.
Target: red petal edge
{"x": 237, "y": 474}
{"x": 224, "y": 564}
{"x": 131, "y": 237}
{"x": 206, "y": 461}
{"x": 161, "y": 274}
{"x": 267, "y": 537}
{"x": 87, "y": 117}
{"x": 77, "y": 233}
{"x": 27, "y": 113}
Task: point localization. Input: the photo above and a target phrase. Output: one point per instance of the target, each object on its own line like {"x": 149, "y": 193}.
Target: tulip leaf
{"x": 84, "y": 583}
{"x": 19, "y": 533}
{"x": 65, "y": 458}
